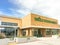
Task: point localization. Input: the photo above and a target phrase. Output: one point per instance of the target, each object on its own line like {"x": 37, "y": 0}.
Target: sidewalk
{"x": 44, "y": 41}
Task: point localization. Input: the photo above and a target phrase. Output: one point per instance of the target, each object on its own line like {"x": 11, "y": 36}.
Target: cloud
{"x": 29, "y": 3}
{"x": 25, "y": 3}
{"x": 45, "y": 7}
{"x": 49, "y": 8}
{"x": 3, "y": 13}
{"x": 25, "y": 6}
{"x": 20, "y": 12}
{"x": 23, "y": 11}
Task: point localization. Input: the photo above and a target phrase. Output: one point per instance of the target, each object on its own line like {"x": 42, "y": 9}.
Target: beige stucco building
{"x": 30, "y": 25}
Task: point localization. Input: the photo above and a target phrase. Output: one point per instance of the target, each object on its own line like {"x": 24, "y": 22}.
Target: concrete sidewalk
{"x": 4, "y": 41}
{"x": 44, "y": 41}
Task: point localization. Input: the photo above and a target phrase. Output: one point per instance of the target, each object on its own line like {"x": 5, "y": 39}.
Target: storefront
{"x": 30, "y": 25}
{"x": 40, "y": 26}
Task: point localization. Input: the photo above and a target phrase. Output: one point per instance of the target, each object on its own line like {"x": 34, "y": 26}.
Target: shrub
{"x": 59, "y": 35}
{"x": 2, "y": 35}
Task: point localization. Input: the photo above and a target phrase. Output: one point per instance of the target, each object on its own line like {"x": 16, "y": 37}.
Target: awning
{"x": 8, "y": 26}
{"x": 41, "y": 27}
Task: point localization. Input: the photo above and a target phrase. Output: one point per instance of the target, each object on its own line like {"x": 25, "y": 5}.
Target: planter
{"x": 28, "y": 39}
{"x": 54, "y": 36}
{"x": 18, "y": 40}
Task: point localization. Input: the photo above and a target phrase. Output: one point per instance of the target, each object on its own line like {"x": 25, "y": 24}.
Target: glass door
{"x": 37, "y": 33}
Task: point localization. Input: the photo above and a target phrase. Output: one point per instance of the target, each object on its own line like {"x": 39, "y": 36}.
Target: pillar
{"x": 20, "y": 33}
{"x": 27, "y": 32}
{"x": 30, "y": 30}
{"x": 51, "y": 32}
{"x": 58, "y": 31}
{"x": 43, "y": 32}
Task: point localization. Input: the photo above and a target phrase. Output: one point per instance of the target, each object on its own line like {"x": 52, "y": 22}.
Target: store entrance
{"x": 37, "y": 33}
{"x": 9, "y": 32}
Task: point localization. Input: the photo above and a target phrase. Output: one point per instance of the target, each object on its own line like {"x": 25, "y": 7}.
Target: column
{"x": 51, "y": 32}
{"x": 43, "y": 32}
{"x": 20, "y": 33}
{"x": 58, "y": 31}
{"x": 30, "y": 32}
{"x": 27, "y": 32}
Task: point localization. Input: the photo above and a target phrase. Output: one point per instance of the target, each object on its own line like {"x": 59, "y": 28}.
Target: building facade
{"x": 30, "y": 25}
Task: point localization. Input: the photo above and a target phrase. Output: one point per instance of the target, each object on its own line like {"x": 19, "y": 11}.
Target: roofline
{"x": 25, "y": 16}
{"x": 39, "y": 15}
{"x": 44, "y": 16}
{"x": 9, "y": 16}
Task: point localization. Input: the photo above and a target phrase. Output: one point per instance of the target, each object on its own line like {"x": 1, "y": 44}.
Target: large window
{"x": 54, "y": 31}
{"x": 9, "y": 23}
{"x": 24, "y": 32}
{"x": 48, "y": 32}
{"x": 37, "y": 33}
{"x": 9, "y": 32}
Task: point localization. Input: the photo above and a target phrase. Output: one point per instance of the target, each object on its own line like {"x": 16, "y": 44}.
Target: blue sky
{"x": 20, "y": 8}
{"x": 5, "y": 5}
{"x": 6, "y": 8}
{"x": 13, "y": 8}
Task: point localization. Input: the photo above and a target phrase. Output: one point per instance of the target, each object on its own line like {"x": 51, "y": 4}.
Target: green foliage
{"x": 2, "y": 36}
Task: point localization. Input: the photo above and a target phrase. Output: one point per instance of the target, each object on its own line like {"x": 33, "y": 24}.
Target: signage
{"x": 44, "y": 20}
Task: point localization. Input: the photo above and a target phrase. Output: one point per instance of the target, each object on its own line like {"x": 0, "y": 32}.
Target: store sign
{"x": 44, "y": 20}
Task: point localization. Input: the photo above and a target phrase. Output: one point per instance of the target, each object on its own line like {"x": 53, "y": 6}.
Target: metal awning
{"x": 2, "y": 26}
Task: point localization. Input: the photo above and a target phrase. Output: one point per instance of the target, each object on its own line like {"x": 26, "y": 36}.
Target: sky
{"x": 21, "y": 8}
